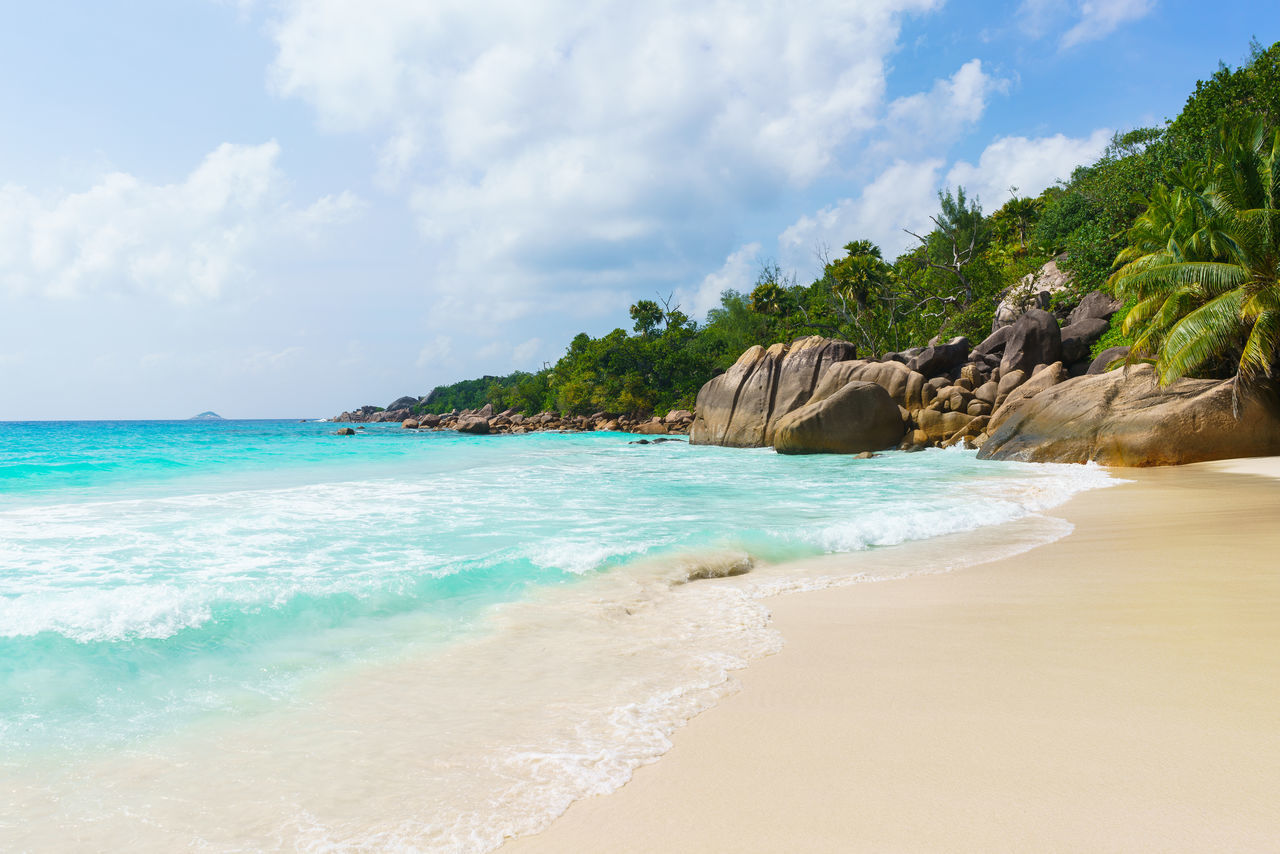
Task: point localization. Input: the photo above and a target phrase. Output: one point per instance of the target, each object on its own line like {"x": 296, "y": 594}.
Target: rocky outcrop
{"x": 1106, "y": 357}
{"x": 860, "y": 416}
{"x": 652, "y": 428}
{"x": 1123, "y": 418}
{"x": 1046, "y": 377}
{"x": 1078, "y": 338}
{"x": 906, "y": 387}
{"x": 677, "y": 421}
{"x": 994, "y": 343}
{"x": 364, "y": 413}
{"x": 473, "y": 424}
{"x": 938, "y": 426}
{"x": 741, "y": 407}
{"x": 1094, "y": 306}
{"x": 403, "y": 403}
{"x": 940, "y": 358}
{"x": 1034, "y": 290}
{"x": 1035, "y": 340}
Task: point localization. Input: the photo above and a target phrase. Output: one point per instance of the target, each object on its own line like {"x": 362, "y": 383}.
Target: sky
{"x": 289, "y": 208}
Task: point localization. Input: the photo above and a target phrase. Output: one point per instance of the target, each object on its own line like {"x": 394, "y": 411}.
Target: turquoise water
{"x": 159, "y": 575}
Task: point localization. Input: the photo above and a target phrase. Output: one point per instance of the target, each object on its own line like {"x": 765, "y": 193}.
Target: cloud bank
{"x": 185, "y": 242}
{"x": 557, "y": 154}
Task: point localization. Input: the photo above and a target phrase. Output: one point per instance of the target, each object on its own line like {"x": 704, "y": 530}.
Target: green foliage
{"x": 519, "y": 390}
{"x": 647, "y": 314}
{"x": 1101, "y": 201}
{"x": 1064, "y": 213}
{"x": 1017, "y": 219}
{"x": 1230, "y": 96}
{"x": 1202, "y": 264}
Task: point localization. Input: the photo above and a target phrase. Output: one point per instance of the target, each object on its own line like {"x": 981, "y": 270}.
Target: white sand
{"x": 1118, "y": 690}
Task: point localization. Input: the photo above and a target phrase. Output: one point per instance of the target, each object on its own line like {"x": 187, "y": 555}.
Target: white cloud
{"x": 1099, "y": 18}
{"x": 1036, "y": 18}
{"x": 561, "y": 148}
{"x": 737, "y": 273}
{"x": 1084, "y": 20}
{"x": 523, "y": 352}
{"x": 925, "y": 120}
{"x": 903, "y": 196}
{"x": 1031, "y": 165}
{"x": 185, "y": 241}
{"x": 437, "y": 351}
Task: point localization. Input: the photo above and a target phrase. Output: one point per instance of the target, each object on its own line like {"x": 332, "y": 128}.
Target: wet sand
{"x": 1118, "y": 690}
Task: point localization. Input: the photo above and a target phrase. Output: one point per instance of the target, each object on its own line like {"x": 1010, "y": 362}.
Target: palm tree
{"x": 1203, "y": 264}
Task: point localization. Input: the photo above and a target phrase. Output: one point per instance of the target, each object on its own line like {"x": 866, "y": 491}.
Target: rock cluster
{"x": 485, "y": 421}
{"x": 813, "y": 396}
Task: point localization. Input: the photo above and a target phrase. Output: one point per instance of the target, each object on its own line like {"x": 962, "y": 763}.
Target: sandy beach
{"x": 1118, "y": 690}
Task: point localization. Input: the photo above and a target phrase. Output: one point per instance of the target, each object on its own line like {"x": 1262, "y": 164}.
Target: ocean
{"x": 240, "y": 635}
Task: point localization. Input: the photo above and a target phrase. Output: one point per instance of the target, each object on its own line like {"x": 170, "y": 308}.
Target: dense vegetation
{"x": 1186, "y": 211}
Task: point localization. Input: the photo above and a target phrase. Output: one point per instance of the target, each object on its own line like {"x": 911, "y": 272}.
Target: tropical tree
{"x": 957, "y": 240}
{"x": 647, "y": 314}
{"x": 1203, "y": 262}
{"x": 1017, "y": 216}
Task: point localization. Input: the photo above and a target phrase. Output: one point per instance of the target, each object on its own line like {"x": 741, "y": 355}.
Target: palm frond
{"x": 1201, "y": 335}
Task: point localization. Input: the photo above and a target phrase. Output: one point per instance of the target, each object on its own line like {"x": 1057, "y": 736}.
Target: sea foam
{"x": 467, "y": 633}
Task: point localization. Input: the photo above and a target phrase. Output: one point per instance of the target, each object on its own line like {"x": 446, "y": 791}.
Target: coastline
{"x": 1115, "y": 690}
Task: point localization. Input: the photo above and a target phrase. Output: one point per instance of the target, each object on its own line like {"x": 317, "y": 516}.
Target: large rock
{"x": 1123, "y": 418}
{"x": 1047, "y": 377}
{"x": 741, "y": 407}
{"x": 860, "y": 416}
{"x": 1035, "y": 340}
{"x": 905, "y": 386}
{"x": 652, "y": 428}
{"x": 402, "y": 403}
{"x": 993, "y": 343}
{"x": 938, "y": 426}
{"x": 1105, "y": 358}
{"x": 473, "y": 424}
{"x": 1095, "y": 305}
{"x": 389, "y": 415}
{"x": 1078, "y": 338}
{"x": 939, "y": 359}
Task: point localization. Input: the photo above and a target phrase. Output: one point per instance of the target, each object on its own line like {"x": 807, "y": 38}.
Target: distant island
{"x": 208, "y": 415}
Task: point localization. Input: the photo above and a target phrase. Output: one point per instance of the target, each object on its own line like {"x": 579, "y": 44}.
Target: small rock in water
{"x": 640, "y": 442}
{"x": 346, "y": 431}
{"x": 867, "y": 455}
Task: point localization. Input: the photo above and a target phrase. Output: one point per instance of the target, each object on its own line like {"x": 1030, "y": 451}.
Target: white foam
{"x": 558, "y": 696}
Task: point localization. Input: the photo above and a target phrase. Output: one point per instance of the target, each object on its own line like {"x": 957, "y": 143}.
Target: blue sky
{"x": 286, "y": 209}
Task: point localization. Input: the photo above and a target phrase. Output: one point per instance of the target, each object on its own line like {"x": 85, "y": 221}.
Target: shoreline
{"x": 1114, "y": 690}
